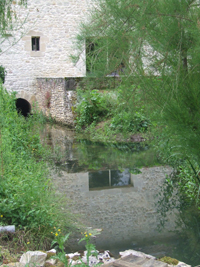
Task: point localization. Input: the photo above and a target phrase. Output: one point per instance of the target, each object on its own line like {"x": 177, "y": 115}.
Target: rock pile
{"x": 44, "y": 259}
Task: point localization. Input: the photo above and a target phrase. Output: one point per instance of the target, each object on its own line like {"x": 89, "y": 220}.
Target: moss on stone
{"x": 49, "y": 255}
{"x": 75, "y": 258}
{"x": 60, "y": 264}
{"x": 169, "y": 260}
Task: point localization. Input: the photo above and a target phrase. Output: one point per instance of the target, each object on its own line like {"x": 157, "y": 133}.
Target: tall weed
{"x": 27, "y": 196}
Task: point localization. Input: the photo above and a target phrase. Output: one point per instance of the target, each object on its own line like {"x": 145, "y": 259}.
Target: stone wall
{"x": 56, "y": 22}
{"x": 55, "y": 100}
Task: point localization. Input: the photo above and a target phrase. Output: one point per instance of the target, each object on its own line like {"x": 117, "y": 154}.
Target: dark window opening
{"x": 35, "y": 43}
{"x": 96, "y": 56}
{"x": 109, "y": 179}
{"x": 23, "y": 107}
{"x": 106, "y": 56}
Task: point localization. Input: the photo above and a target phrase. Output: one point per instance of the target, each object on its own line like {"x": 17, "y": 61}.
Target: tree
{"x": 8, "y": 18}
{"x": 158, "y": 44}
{"x": 7, "y": 13}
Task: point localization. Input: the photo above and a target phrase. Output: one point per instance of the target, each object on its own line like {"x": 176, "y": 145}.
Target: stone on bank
{"x": 38, "y": 258}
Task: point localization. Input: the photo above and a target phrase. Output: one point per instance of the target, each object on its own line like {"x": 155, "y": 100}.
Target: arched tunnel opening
{"x": 23, "y": 107}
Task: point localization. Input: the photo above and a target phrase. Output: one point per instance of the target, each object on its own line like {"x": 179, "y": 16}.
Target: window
{"x": 106, "y": 56}
{"x": 96, "y": 56}
{"x": 35, "y": 43}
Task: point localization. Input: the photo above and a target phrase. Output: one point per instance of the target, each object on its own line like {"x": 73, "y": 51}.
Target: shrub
{"x": 128, "y": 114}
{"x": 92, "y": 107}
{"x": 128, "y": 122}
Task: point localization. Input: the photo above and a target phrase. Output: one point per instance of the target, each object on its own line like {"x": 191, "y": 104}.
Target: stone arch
{"x": 23, "y": 106}
{"x": 24, "y": 101}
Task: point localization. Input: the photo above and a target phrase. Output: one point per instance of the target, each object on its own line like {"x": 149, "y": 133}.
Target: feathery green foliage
{"x": 154, "y": 46}
{"x": 9, "y": 21}
{"x": 158, "y": 43}
{"x": 7, "y": 14}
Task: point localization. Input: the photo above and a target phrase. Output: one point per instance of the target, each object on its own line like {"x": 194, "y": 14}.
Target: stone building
{"x": 41, "y": 47}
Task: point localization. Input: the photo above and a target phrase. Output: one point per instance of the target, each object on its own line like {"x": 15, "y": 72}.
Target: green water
{"x": 90, "y": 156}
{"x": 112, "y": 171}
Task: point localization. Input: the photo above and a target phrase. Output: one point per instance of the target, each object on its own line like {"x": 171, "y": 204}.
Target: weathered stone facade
{"x": 56, "y": 24}
{"x": 55, "y": 100}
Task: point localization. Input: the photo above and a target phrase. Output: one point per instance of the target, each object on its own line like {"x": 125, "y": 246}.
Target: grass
{"x": 28, "y": 199}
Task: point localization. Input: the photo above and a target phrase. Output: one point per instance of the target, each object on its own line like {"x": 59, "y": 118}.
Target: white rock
{"x": 84, "y": 259}
{"x": 93, "y": 260}
{"x": 51, "y": 261}
{"x": 109, "y": 260}
{"x": 52, "y": 251}
{"x": 71, "y": 255}
{"x": 104, "y": 255}
{"x": 182, "y": 264}
{"x": 135, "y": 253}
{"x": 33, "y": 258}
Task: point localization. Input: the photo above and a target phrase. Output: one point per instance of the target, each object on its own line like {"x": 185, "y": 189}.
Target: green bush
{"x": 116, "y": 105}
{"x": 128, "y": 114}
{"x": 27, "y": 196}
{"x": 128, "y": 122}
{"x": 92, "y": 107}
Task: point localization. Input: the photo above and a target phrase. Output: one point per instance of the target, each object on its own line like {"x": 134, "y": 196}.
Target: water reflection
{"x": 173, "y": 200}
{"x": 77, "y": 155}
{"x": 127, "y": 212}
{"x": 109, "y": 179}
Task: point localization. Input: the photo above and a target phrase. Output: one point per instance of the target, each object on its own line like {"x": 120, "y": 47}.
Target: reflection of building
{"x": 126, "y": 214}
{"x": 109, "y": 179}
{"x": 61, "y": 140}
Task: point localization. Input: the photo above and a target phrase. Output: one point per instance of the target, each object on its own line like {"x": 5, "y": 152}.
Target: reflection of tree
{"x": 189, "y": 243}
{"x": 173, "y": 200}
{"x": 95, "y": 156}
{"x": 120, "y": 178}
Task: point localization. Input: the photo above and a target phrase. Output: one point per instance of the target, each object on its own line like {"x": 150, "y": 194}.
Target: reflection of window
{"x": 109, "y": 179}
{"x": 35, "y": 43}
{"x": 105, "y": 56}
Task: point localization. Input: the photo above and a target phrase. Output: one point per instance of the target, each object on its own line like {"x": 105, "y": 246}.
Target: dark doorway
{"x": 23, "y": 107}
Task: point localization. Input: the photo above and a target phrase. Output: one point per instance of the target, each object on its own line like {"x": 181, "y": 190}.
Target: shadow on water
{"x": 171, "y": 200}
{"x": 115, "y": 187}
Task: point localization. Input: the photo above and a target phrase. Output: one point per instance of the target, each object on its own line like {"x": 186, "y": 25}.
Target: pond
{"x": 115, "y": 188}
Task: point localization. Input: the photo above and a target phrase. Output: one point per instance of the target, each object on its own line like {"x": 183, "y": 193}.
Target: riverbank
{"x": 51, "y": 259}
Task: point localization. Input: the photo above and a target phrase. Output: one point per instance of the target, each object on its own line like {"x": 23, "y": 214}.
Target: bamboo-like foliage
{"x": 7, "y": 13}
{"x": 10, "y": 22}
{"x": 157, "y": 43}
